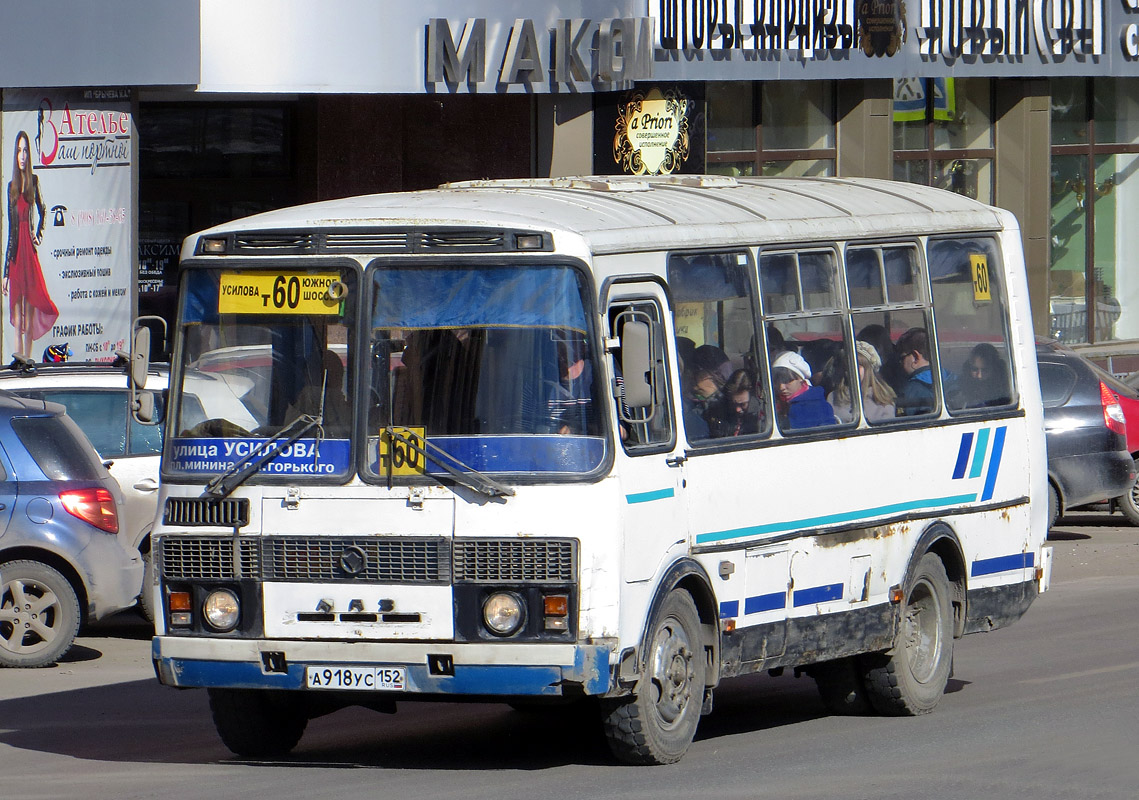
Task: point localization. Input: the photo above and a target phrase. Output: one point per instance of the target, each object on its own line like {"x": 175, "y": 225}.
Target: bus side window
{"x": 972, "y": 326}
{"x": 651, "y": 427}
{"x": 899, "y": 373}
{"x": 808, "y": 347}
{"x": 717, "y": 346}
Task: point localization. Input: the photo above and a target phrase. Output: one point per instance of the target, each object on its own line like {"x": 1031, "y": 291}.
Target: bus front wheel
{"x": 910, "y": 679}
{"x": 656, "y": 724}
{"x": 256, "y": 723}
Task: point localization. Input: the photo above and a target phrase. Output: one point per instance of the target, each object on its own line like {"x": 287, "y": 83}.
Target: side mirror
{"x": 140, "y": 358}
{"x": 636, "y": 364}
{"x": 144, "y": 406}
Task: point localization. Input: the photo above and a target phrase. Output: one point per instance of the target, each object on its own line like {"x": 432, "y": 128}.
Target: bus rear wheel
{"x": 257, "y": 723}
{"x": 910, "y": 679}
{"x": 656, "y": 724}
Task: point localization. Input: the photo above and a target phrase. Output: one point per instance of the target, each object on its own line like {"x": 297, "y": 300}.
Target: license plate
{"x": 387, "y": 679}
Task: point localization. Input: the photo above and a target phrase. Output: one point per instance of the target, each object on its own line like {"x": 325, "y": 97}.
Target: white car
{"x": 97, "y": 398}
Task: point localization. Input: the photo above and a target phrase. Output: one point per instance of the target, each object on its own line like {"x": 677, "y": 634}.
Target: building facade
{"x": 237, "y": 107}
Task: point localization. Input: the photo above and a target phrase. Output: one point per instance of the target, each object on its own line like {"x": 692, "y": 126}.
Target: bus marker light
{"x": 897, "y": 595}
{"x": 556, "y": 605}
{"x": 728, "y": 625}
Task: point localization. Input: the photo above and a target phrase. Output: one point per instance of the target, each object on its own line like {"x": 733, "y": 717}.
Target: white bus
{"x": 608, "y": 440}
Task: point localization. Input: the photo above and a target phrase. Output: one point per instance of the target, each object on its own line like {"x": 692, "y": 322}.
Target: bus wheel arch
{"x": 688, "y": 575}
{"x": 941, "y": 540}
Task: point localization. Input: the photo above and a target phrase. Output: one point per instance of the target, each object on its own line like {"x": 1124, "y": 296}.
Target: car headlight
{"x": 502, "y": 613}
{"x": 221, "y": 610}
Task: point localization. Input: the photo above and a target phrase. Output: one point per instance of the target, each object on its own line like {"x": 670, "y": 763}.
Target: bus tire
{"x": 257, "y": 723}
{"x": 910, "y": 678}
{"x": 656, "y": 724}
{"x": 841, "y": 687}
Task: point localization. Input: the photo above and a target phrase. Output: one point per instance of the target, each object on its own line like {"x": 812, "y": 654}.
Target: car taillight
{"x": 1112, "y": 411}
{"x": 96, "y": 506}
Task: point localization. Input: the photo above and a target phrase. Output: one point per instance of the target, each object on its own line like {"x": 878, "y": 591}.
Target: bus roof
{"x": 629, "y": 214}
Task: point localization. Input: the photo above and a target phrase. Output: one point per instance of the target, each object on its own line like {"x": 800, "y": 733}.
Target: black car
{"x": 1085, "y": 432}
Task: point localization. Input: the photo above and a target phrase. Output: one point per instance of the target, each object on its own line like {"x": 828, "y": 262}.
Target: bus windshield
{"x": 264, "y": 353}
{"x": 494, "y": 366}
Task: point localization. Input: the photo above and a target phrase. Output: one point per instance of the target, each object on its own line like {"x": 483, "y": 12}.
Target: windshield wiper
{"x": 239, "y": 473}
{"x": 465, "y": 475}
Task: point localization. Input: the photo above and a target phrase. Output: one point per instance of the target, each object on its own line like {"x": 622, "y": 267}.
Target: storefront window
{"x": 731, "y": 121}
{"x": 1093, "y": 186}
{"x": 943, "y": 134}
{"x": 793, "y": 133}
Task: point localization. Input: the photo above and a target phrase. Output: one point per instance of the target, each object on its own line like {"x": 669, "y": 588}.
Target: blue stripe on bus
{"x": 979, "y": 453}
{"x": 818, "y": 594}
{"x": 729, "y": 608}
{"x": 765, "y": 602}
{"x": 994, "y": 464}
{"x": 963, "y": 455}
{"x": 648, "y": 497}
{"x": 991, "y": 566}
{"x": 834, "y": 519}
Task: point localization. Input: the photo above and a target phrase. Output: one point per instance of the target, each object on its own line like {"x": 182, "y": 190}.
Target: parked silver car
{"x": 63, "y": 554}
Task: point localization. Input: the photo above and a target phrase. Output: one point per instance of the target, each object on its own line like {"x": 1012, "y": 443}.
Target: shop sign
{"x": 944, "y": 29}
{"x": 578, "y": 53}
{"x": 69, "y": 249}
{"x": 651, "y": 133}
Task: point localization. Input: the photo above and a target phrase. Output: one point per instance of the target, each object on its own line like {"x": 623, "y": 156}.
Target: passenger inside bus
{"x": 568, "y": 399}
{"x": 878, "y": 398}
{"x": 800, "y": 404}
{"x": 984, "y": 380}
{"x": 891, "y": 369}
{"x": 710, "y": 370}
{"x": 737, "y": 411}
{"x": 917, "y": 395}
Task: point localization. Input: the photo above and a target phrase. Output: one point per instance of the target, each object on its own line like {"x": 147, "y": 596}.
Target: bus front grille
{"x": 515, "y": 560}
{"x": 372, "y": 559}
{"x": 213, "y": 557}
{"x": 335, "y": 559}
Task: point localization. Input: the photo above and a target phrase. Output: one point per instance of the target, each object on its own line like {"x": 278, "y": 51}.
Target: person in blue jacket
{"x": 800, "y": 403}
{"x": 917, "y": 395}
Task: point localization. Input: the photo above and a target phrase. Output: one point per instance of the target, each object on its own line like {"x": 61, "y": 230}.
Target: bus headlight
{"x": 221, "y": 610}
{"x": 502, "y": 613}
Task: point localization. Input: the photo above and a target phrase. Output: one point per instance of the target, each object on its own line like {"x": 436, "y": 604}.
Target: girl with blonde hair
{"x": 878, "y": 399}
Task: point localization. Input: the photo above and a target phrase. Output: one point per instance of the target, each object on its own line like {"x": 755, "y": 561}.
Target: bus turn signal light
{"x": 556, "y": 608}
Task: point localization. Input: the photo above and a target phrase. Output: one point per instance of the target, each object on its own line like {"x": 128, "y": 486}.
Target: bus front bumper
{"x": 550, "y": 670}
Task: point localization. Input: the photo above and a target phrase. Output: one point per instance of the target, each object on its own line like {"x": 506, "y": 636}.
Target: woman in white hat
{"x": 800, "y": 404}
{"x": 878, "y": 398}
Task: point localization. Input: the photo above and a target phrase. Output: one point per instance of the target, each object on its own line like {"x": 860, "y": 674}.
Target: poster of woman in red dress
{"x": 32, "y": 310}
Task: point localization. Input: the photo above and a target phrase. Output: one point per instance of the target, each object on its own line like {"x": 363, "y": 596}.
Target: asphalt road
{"x": 1048, "y": 708}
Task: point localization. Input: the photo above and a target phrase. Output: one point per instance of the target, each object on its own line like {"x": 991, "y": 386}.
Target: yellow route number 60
{"x": 397, "y": 456}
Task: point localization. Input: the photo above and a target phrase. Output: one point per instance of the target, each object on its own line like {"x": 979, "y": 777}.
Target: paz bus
{"x": 545, "y": 440}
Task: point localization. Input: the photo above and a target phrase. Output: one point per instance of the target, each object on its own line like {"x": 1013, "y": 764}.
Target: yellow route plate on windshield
{"x": 395, "y": 452}
{"x": 280, "y": 293}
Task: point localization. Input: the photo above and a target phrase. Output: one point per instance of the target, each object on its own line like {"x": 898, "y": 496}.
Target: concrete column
{"x": 865, "y": 129}
{"x": 1023, "y": 178}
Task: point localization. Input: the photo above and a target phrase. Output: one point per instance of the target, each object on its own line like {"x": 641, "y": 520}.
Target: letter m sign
{"x": 446, "y": 62}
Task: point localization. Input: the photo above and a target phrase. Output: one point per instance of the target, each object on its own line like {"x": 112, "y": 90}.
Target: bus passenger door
{"x": 650, "y": 462}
